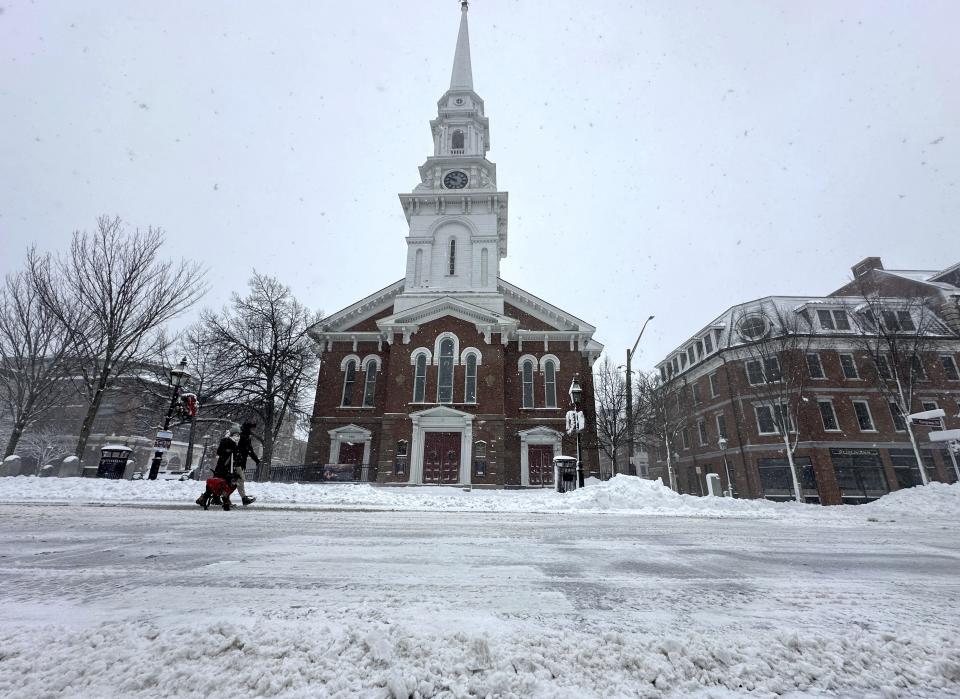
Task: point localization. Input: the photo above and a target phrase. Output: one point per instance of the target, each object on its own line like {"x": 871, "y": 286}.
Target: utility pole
{"x": 630, "y": 399}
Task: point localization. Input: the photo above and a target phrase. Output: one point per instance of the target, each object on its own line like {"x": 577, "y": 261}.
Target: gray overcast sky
{"x": 670, "y": 158}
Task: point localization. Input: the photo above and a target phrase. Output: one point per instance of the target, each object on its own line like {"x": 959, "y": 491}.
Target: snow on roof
{"x": 917, "y": 275}
{"x": 116, "y": 447}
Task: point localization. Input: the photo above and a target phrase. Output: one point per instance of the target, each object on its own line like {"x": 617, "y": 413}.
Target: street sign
{"x": 164, "y": 440}
{"x": 927, "y": 417}
{"x": 944, "y": 435}
{"x": 925, "y": 421}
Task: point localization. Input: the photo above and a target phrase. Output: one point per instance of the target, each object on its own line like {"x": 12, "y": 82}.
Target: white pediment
{"x": 441, "y": 412}
{"x": 443, "y": 307}
{"x": 540, "y": 431}
{"x": 351, "y": 430}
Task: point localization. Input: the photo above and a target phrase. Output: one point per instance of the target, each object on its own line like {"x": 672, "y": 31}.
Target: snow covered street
{"x": 107, "y": 598}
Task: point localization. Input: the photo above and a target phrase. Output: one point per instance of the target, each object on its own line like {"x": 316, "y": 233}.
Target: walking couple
{"x": 232, "y": 453}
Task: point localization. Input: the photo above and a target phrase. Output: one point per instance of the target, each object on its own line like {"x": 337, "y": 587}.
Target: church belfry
{"x": 457, "y": 218}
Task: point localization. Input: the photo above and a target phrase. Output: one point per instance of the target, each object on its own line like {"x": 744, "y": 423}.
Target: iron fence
{"x": 323, "y": 473}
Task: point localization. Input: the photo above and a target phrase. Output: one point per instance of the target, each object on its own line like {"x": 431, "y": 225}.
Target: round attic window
{"x": 753, "y": 327}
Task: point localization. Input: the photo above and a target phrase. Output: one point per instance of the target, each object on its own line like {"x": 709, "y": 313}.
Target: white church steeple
{"x": 462, "y": 76}
{"x": 457, "y": 218}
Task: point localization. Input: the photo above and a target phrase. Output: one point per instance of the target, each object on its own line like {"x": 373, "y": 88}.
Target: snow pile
{"x": 365, "y": 656}
{"x": 653, "y": 497}
{"x": 932, "y": 500}
{"x": 620, "y": 494}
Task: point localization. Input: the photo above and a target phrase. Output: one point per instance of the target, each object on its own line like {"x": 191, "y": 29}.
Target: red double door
{"x": 441, "y": 457}
{"x": 540, "y": 459}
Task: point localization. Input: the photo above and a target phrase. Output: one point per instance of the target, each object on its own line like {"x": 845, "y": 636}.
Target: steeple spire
{"x": 462, "y": 76}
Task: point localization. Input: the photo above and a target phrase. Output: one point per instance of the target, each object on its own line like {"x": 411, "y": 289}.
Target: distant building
{"x": 851, "y": 442}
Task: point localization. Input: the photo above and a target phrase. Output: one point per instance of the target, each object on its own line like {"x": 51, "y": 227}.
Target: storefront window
{"x": 778, "y": 483}
{"x": 859, "y": 475}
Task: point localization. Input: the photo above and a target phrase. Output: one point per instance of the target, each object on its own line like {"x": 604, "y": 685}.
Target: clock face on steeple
{"x": 455, "y": 179}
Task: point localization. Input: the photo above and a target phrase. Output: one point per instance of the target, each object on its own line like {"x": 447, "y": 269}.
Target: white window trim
{"x": 556, "y": 373}
{"x": 714, "y": 381}
{"x": 853, "y": 361}
{"x": 704, "y": 441}
{"x": 903, "y": 417}
{"x": 854, "y": 401}
{"x": 756, "y": 414}
{"x": 345, "y": 360}
{"x": 716, "y": 420}
{"x": 823, "y": 373}
{"x": 524, "y": 358}
{"x": 456, "y": 348}
{"x": 417, "y": 352}
{"x": 453, "y": 368}
{"x": 426, "y": 363}
{"x": 470, "y": 351}
{"x": 763, "y": 376}
{"x": 474, "y": 351}
{"x": 833, "y": 410}
{"x": 533, "y": 382}
{"x": 952, "y": 361}
{"x": 371, "y": 358}
{"x": 547, "y": 357}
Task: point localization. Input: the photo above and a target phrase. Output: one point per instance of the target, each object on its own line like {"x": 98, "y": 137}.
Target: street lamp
{"x": 722, "y": 442}
{"x": 178, "y": 377}
{"x": 630, "y": 396}
{"x": 576, "y": 393}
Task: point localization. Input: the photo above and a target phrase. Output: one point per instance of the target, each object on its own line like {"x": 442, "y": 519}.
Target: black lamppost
{"x": 630, "y": 399}
{"x": 178, "y": 376}
{"x": 576, "y": 393}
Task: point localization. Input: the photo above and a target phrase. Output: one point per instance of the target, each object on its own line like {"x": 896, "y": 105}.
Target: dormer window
{"x": 833, "y": 319}
{"x": 708, "y": 343}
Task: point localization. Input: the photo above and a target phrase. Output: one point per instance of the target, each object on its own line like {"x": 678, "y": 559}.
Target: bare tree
{"x": 662, "y": 409}
{"x": 45, "y": 445}
{"x": 777, "y": 342}
{"x": 125, "y": 294}
{"x": 33, "y": 356}
{"x": 896, "y": 334}
{"x": 610, "y": 398}
{"x": 263, "y": 357}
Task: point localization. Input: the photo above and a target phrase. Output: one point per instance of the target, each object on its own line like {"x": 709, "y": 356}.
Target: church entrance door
{"x": 540, "y": 458}
{"x": 441, "y": 458}
{"x": 351, "y": 454}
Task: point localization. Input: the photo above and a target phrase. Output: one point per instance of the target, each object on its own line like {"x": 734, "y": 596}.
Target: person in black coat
{"x": 224, "y": 468}
{"x": 244, "y": 450}
{"x": 225, "y": 451}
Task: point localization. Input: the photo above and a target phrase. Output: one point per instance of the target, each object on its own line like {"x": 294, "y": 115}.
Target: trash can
{"x": 565, "y": 473}
{"x": 113, "y": 461}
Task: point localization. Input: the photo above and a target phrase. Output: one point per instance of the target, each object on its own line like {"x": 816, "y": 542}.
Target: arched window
{"x": 484, "y": 267}
{"x": 453, "y": 256}
{"x": 370, "y": 385}
{"x": 420, "y": 379}
{"x": 418, "y": 268}
{"x": 349, "y": 376}
{"x": 470, "y": 388}
{"x": 457, "y": 141}
{"x": 550, "y": 384}
{"x": 445, "y": 372}
{"x": 526, "y": 371}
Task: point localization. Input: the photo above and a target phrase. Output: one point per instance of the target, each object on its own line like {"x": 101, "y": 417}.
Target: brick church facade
{"x": 452, "y": 375}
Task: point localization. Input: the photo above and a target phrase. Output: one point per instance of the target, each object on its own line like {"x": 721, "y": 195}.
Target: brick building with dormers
{"x": 452, "y": 375}
{"x": 852, "y": 445}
